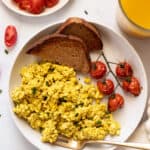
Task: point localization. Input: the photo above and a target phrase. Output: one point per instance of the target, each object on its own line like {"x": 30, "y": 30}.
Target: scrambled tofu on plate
{"x": 53, "y": 101}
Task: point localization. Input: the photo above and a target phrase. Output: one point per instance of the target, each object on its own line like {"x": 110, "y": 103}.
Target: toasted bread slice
{"x": 66, "y": 50}
{"x": 84, "y": 30}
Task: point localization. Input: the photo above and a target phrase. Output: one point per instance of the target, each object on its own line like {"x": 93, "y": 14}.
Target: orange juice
{"x": 134, "y": 16}
{"x": 137, "y": 11}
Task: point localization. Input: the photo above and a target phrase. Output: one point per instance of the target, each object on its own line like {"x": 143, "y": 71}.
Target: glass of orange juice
{"x": 133, "y": 16}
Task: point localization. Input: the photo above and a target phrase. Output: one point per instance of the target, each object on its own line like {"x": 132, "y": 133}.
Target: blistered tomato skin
{"x": 106, "y": 87}
{"x": 98, "y": 70}
{"x": 124, "y": 69}
{"x": 115, "y": 102}
{"x": 37, "y": 6}
{"x": 10, "y": 36}
{"x": 17, "y": 1}
{"x": 132, "y": 85}
{"x": 25, "y": 5}
{"x": 51, "y": 3}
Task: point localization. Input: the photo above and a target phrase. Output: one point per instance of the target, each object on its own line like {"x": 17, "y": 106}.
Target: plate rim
{"x": 107, "y": 28}
{"x": 26, "y": 14}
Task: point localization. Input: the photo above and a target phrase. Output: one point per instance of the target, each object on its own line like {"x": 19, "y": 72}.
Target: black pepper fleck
{"x": 6, "y": 51}
{"x": 85, "y": 11}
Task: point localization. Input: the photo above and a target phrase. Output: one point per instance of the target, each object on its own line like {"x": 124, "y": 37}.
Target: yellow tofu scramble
{"x": 54, "y": 102}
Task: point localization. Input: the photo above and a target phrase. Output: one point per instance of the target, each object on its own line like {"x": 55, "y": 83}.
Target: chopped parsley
{"x": 53, "y": 80}
{"x": 61, "y": 100}
{"x": 98, "y": 123}
{"x": 107, "y": 112}
{"x": 90, "y": 118}
{"x": 76, "y": 115}
{"x": 34, "y": 90}
{"x": 51, "y": 69}
{"x": 6, "y": 51}
{"x": 81, "y": 105}
{"x": 128, "y": 79}
{"x": 0, "y": 91}
{"x": 47, "y": 83}
{"x": 81, "y": 128}
{"x": 76, "y": 123}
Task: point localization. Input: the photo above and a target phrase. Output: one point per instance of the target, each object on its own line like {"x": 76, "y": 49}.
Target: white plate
{"x": 147, "y": 123}
{"x": 116, "y": 48}
{"x": 12, "y": 6}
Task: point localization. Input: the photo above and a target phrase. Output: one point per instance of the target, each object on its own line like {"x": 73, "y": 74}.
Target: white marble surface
{"x": 103, "y": 11}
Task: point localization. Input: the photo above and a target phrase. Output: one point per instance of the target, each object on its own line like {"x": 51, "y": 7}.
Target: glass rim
{"x": 124, "y": 13}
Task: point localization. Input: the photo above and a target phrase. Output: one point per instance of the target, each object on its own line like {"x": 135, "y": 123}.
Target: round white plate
{"x": 12, "y": 6}
{"x": 116, "y": 49}
{"x": 147, "y": 123}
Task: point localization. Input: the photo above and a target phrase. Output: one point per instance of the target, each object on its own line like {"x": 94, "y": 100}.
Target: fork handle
{"x": 125, "y": 144}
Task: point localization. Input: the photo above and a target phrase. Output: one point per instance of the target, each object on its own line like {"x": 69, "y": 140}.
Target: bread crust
{"x": 55, "y": 40}
{"x": 90, "y": 27}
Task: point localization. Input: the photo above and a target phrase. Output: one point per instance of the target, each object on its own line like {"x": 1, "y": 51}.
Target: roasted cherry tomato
{"x": 106, "y": 87}
{"x": 10, "y": 36}
{"x": 17, "y": 1}
{"x": 124, "y": 69}
{"x": 25, "y": 5}
{"x": 37, "y": 6}
{"x": 33, "y": 6}
{"x": 132, "y": 85}
{"x": 115, "y": 102}
{"x": 98, "y": 69}
{"x": 51, "y": 3}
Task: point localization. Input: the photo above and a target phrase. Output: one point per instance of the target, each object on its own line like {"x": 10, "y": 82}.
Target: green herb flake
{"x": 81, "y": 128}
{"x": 6, "y": 51}
{"x": 81, "y": 104}
{"x": 90, "y": 118}
{"x": 61, "y": 100}
{"x": 0, "y": 115}
{"x": 76, "y": 123}
{"x": 128, "y": 79}
{"x": 76, "y": 115}
{"x": 107, "y": 112}
{"x": 34, "y": 90}
{"x": 53, "y": 80}
{"x": 51, "y": 69}
{"x": 47, "y": 83}
{"x": 1, "y": 91}
{"x": 98, "y": 123}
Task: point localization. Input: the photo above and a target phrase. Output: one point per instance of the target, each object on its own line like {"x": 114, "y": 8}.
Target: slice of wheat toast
{"x": 62, "y": 49}
{"x": 84, "y": 30}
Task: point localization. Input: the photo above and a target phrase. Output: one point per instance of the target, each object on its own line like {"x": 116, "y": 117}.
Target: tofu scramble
{"x": 54, "y": 102}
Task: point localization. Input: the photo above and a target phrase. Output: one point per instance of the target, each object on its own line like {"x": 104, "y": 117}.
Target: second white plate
{"x": 11, "y": 5}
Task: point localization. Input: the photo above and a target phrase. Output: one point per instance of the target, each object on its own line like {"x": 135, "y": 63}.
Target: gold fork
{"x": 78, "y": 145}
